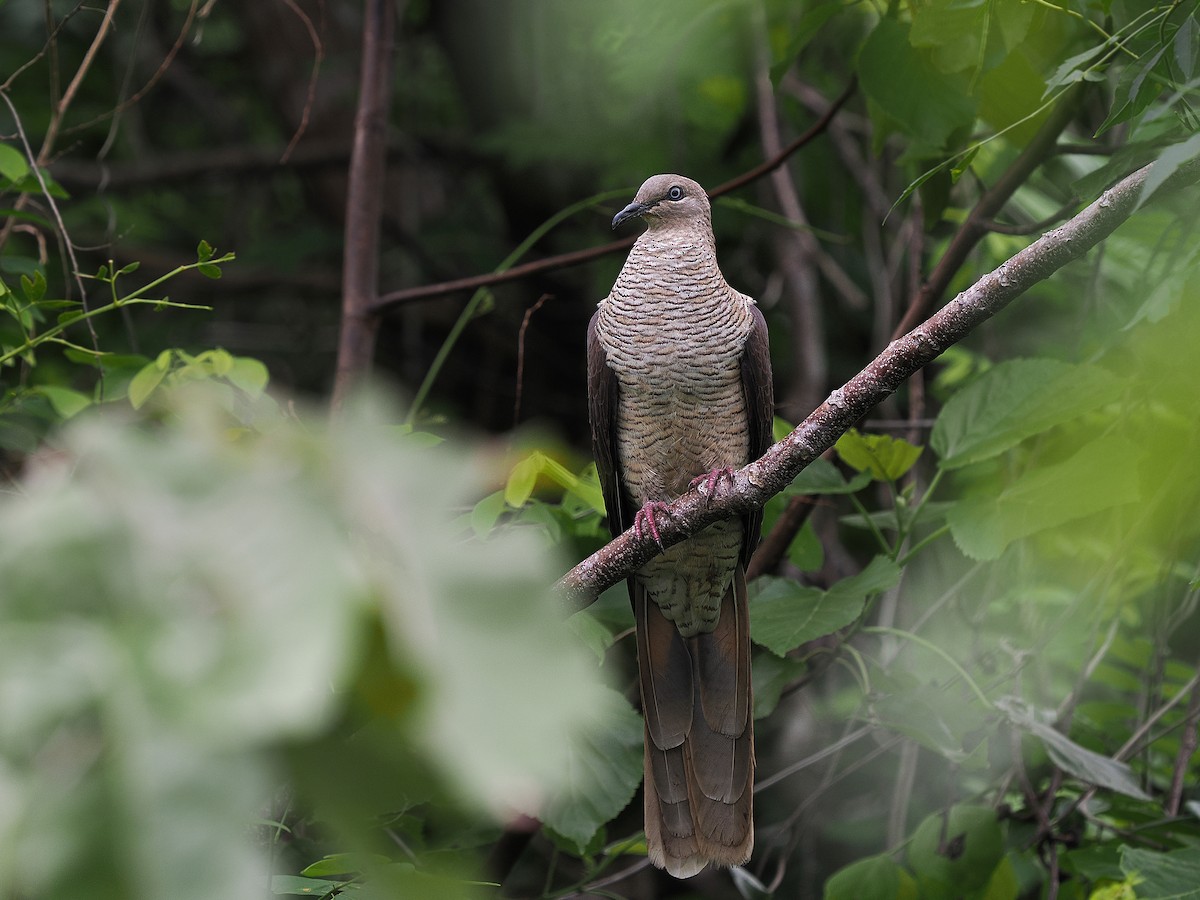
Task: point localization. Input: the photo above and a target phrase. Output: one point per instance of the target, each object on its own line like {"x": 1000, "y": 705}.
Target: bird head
{"x": 667, "y": 199}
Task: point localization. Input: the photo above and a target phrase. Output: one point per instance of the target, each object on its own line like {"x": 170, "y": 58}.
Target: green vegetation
{"x": 250, "y": 648}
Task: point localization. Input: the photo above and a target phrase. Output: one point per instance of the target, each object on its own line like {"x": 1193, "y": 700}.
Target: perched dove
{"x": 679, "y": 392}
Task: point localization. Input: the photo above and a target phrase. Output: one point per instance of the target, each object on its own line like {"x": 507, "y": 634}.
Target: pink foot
{"x": 644, "y": 520}
{"x": 710, "y": 480}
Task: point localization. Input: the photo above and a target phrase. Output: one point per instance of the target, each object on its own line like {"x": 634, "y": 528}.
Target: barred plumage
{"x": 679, "y": 385}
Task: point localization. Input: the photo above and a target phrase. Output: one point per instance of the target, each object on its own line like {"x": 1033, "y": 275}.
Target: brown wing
{"x": 603, "y": 394}
{"x": 759, "y": 393}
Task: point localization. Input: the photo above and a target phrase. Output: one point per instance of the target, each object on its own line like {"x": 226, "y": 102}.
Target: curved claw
{"x": 644, "y": 521}
{"x": 710, "y": 480}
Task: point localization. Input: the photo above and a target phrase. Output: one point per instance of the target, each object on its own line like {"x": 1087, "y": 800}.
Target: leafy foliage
{"x": 186, "y": 614}
{"x": 247, "y": 649}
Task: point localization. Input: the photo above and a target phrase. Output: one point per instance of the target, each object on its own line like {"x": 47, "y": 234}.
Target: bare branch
{"x": 752, "y": 486}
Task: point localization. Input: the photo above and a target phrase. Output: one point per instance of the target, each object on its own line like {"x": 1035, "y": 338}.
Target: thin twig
{"x": 64, "y": 103}
{"x": 1183, "y": 759}
{"x": 314, "y": 73}
{"x": 521, "y": 355}
{"x": 184, "y": 30}
{"x": 393, "y": 299}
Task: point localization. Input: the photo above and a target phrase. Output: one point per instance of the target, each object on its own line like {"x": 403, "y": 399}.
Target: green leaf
{"x": 805, "y": 552}
{"x": 592, "y": 632}
{"x": 606, "y": 762}
{"x": 204, "y": 251}
{"x": 1086, "y": 765}
{"x": 521, "y": 480}
{"x": 886, "y": 458}
{"x": 34, "y": 288}
{"x": 1135, "y": 91}
{"x": 1074, "y": 68}
{"x": 13, "y": 164}
{"x": 344, "y": 864}
{"x": 208, "y": 270}
{"x": 811, "y": 19}
{"x": 145, "y": 382}
{"x": 487, "y": 512}
{"x": 956, "y": 852}
{"x": 1102, "y": 475}
{"x": 784, "y": 615}
{"x": 297, "y": 886}
{"x": 927, "y": 105}
{"x": 1003, "y": 885}
{"x": 874, "y": 878}
{"x": 248, "y": 375}
{"x": 780, "y": 428}
{"x": 822, "y": 477}
{"x": 1163, "y": 876}
{"x": 1015, "y": 400}
{"x": 1167, "y": 163}
{"x": 771, "y": 674}
{"x": 66, "y": 402}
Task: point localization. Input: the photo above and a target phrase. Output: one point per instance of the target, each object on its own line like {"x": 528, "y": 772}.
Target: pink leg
{"x": 710, "y": 480}
{"x": 644, "y": 520}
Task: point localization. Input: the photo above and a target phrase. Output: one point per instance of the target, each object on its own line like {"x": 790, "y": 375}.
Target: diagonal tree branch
{"x": 752, "y": 486}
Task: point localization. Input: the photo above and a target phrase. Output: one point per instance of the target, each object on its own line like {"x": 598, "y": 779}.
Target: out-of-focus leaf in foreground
{"x": 180, "y": 601}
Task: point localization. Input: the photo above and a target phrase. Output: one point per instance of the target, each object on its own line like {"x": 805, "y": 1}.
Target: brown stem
{"x": 796, "y": 252}
{"x": 1187, "y": 746}
{"x": 364, "y": 199}
{"x": 770, "y": 552}
{"x": 752, "y": 486}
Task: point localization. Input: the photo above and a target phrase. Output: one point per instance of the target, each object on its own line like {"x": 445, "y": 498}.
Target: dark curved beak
{"x": 633, "y": 210}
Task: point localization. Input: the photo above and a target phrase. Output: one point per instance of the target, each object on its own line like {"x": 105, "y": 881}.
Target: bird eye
{"x": 675, "y": 193}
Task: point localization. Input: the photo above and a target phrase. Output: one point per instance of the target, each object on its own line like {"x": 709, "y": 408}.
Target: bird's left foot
{"x": 644, "y": 521}
{"x": 710, "y": 480}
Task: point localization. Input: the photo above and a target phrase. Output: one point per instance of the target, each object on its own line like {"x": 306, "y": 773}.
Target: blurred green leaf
{"x": 144, "y": 384}
{"x": 955, "y": 852}
{"x": 908, "y": 91}
{"x": 873, "y": 878}
{"x": 1014, "y": 400}
{"x": 343, "y": 864}
{"x": 66, "y": 402}
{"x": 183, "y": 598}
{"x": 1168, "y": 162}
{"x": 13, "y": 164}
{"x": 1102, "y": 475}
{"x": 296, "y": 886}
{"x": 1084, "y": 764}
{"x": 1163, "y": 876}
{"x": 607, "y": 766}
{"x": 521, "y": 480}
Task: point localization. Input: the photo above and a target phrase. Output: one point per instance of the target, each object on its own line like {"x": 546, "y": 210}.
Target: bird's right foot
{"x": 644, "y": 521}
